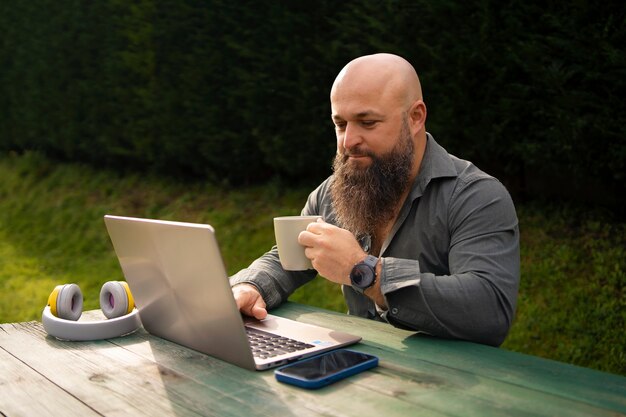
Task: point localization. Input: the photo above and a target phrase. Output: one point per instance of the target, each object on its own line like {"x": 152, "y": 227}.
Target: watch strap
{"x": 371, "y": 260}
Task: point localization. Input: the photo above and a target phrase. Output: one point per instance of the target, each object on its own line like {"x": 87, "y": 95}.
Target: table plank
{"x": 582, "y": 385}
{"x": 212, "y": 387}
{"x": 264, "y": 392}
{"x": 388, "y": 389}
{"x": 144, "y": 375}
{"x": 25, "y": 392}
{"x": 110, "y": 387}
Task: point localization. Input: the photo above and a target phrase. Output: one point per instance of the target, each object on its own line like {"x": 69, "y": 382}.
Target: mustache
{"x": 356, "y": 152}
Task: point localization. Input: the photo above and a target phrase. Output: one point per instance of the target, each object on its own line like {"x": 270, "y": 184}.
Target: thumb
{"x": 259, "y": 310}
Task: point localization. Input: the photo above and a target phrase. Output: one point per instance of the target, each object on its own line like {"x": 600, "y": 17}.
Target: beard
{"x": 366, "y": 198}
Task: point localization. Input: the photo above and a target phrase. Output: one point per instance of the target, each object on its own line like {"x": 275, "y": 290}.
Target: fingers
{"x": 249, "y": 301}
{"x": 308, "y": 237}
{"x": 317, "y": 226}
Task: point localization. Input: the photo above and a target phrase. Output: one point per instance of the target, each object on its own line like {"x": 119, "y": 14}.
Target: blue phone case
{"x": 371, "y": 362}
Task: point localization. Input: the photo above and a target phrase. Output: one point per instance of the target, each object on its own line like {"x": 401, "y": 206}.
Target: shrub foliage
{"x": 238, "y": 91}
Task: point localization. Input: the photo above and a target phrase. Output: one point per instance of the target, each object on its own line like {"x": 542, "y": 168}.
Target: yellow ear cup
{"x": 66, "y": 302}
{"x": 131, "y": 300}
{"x": 52, "y": 299}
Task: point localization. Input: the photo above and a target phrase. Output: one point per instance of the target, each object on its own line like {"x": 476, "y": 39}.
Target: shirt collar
{"x": 436, "y": 163}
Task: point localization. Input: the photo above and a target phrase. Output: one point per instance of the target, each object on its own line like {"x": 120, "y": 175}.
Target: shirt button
{"x": 394, "y": 311}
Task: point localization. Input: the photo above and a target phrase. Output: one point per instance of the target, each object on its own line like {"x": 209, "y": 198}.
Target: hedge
{"x": 237, "y": 91}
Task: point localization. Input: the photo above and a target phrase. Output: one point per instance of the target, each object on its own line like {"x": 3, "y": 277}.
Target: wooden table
{"x": 417, "y": 376}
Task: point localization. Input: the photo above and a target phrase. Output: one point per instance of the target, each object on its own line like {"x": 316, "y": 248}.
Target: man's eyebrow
{"x": 360, "y": 115}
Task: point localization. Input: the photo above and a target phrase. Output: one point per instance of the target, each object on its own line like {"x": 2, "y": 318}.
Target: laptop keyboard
{"x": 267, "y": 345}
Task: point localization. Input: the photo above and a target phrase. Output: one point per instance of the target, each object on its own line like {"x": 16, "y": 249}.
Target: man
{"x": 441, "y": 235}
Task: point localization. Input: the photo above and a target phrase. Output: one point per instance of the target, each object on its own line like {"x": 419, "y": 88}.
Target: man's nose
{"x": 351, "y": 136}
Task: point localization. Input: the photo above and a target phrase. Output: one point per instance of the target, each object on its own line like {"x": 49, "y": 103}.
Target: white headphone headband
{"x": 89, "y": 330}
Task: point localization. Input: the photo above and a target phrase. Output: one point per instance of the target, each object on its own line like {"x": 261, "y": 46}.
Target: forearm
{"x": 475, "y": 305}
{"x": 267, "y": 274}
{"x": 274, "y": 283}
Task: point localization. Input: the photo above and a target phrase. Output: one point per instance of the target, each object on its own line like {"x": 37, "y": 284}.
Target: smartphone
{"x": 326, "y": 368}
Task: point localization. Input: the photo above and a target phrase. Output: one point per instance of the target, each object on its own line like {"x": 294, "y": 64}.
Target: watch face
{"x": 362, "y": 276}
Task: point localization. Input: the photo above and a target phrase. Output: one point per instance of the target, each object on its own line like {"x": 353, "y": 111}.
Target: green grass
{"x": 52, "y": 231}
{"x": 571, "y": 306}
{"x": 572, "y": 301}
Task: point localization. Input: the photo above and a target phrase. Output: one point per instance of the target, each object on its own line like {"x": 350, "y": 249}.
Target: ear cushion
{"x": 66, "y": 302}
{"x": 116, "y": 299}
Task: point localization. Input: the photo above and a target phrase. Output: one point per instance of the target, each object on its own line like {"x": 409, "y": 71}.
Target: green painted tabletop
{"x": 418, "y": 375}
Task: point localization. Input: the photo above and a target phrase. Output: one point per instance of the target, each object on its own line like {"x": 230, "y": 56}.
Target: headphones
{"x": 65, "y": 306}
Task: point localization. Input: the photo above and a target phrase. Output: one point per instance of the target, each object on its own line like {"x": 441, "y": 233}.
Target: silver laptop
{"x": 178, "y": 280}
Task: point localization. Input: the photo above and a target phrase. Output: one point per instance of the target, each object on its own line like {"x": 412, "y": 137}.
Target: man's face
{"x": 367, "y": 124}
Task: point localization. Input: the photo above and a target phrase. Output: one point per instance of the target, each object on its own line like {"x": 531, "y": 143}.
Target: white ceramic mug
{"x": 290, "y": 252}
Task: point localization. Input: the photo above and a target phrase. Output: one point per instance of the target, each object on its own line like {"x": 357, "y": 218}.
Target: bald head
{"x": 390, "y": 76}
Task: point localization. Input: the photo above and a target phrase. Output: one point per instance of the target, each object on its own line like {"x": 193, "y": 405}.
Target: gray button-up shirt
{"x": 450, "y": 266}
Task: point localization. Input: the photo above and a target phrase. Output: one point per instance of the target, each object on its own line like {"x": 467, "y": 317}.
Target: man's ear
{"x": 417, "y": 116}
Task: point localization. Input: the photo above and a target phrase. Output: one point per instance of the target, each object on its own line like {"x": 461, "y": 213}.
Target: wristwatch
{"x": 363, "y": 274}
